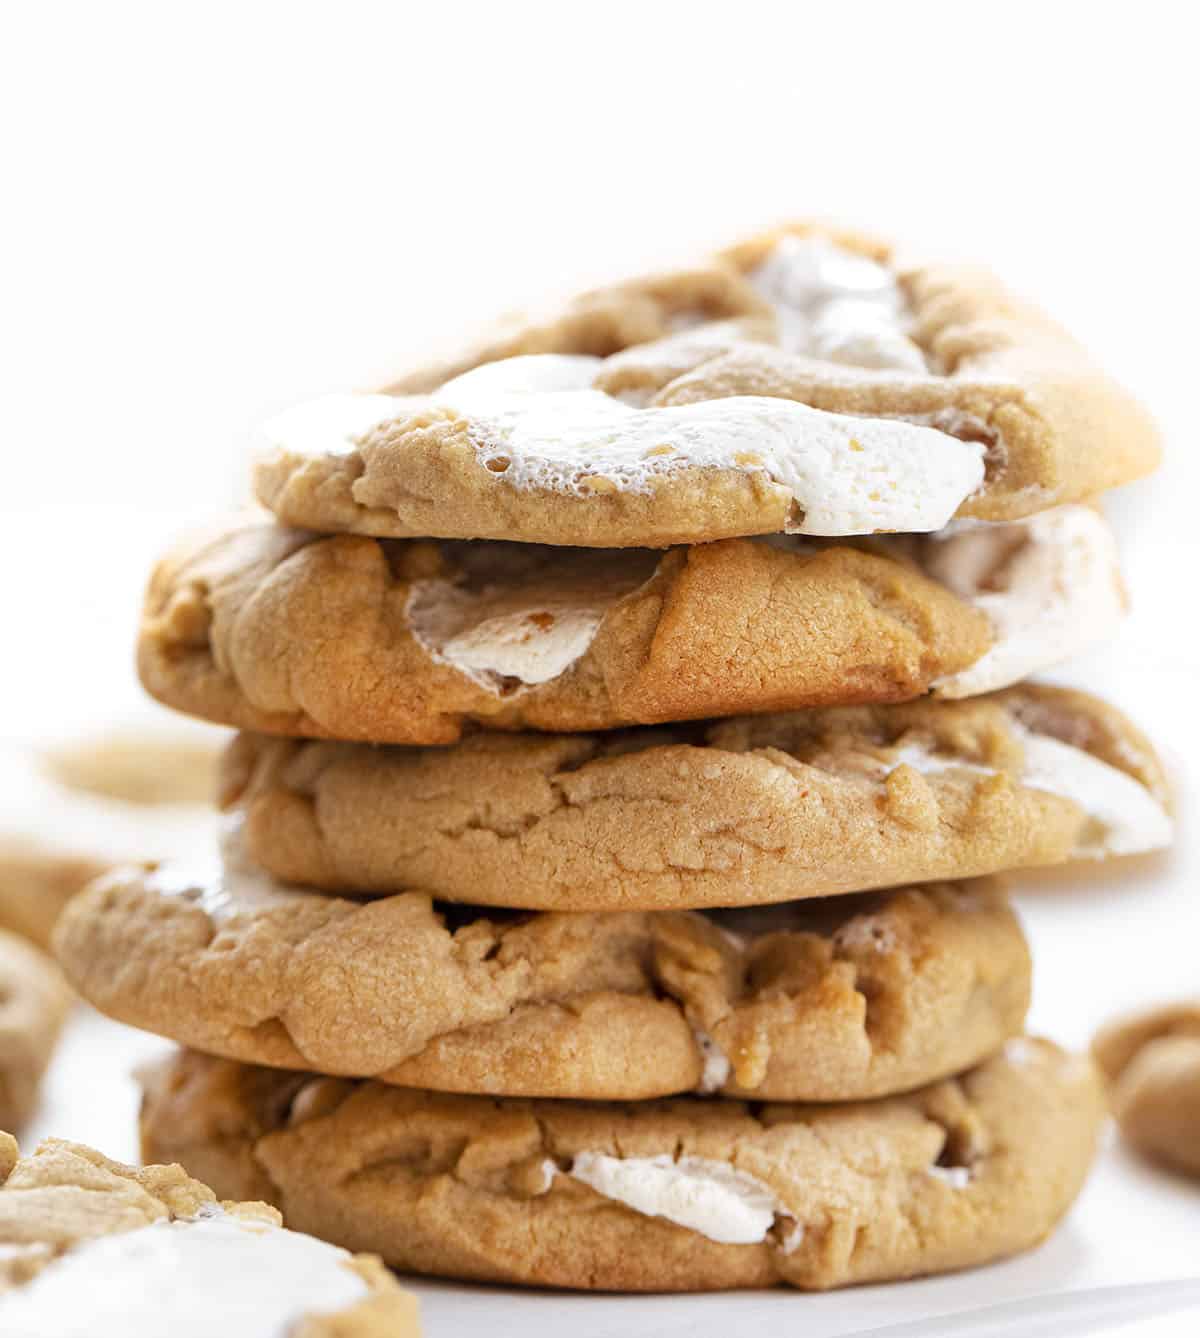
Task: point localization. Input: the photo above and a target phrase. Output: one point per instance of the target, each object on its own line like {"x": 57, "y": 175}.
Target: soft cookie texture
{"x": 656, "y": 1196}
{"x": 857, "y": 997}
{"x": 1152, "y": 1061}
{"x": 803, "y": 381}
{"x": 741, "y": 811}
{"x": 71, "y": 811}
{"x": 34, "y": 1002}
{"x": 91, "y": 1247}
{"x": 393, "y": 641}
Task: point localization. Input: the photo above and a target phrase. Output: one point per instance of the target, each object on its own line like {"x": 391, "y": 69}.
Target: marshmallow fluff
{"x": 331, "y": 424}
{"x": 717, "y": 1068}
{"x": 527, "y": 626}
{"x": 536, "y": 422}
{"x": 957, "y": 1177}
{"x": 193, "y": 1278}
{"x": 504, "y": 639}
{"x": 710, "y": 1197}
{"x": 1050, "y": 585}
{"x": 1126, "y": 818}
{"x": 847, "y": 475}
{"x": 838, "y": 305}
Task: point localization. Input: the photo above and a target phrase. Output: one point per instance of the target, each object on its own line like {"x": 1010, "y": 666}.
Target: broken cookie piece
{"x": 89, "y": 1246}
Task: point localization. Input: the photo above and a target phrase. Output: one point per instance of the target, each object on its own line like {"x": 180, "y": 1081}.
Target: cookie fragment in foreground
{"x": 91, "y": 1247}
{"x": 684, "y": 1195}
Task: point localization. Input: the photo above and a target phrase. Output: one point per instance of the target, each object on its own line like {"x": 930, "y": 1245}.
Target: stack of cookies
{"x": 624, "y": 705}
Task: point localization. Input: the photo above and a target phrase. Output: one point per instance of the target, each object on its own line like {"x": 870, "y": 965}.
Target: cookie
{"x": 34, "y": 1002}
{"x": 684, "y": 1195}
{"x": 91, "y": 1247}
{"x": 825, "y": 1000}
{"x": 799, "y": 383}
{"x": 394, "y": 641}
{"x": 73, "y": 810}
{"x": 1152, "y": 1060}
{"x": 734, "y": 812}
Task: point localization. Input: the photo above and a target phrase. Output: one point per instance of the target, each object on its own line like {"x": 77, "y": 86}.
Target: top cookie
{"x": 89, "y": 1246}
{"x": 805, "y": 382}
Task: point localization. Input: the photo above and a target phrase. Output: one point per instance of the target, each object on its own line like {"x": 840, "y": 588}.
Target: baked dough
{"x": 391, "y": 641}
{"x": 741, "y": 811}
{"x": 544, "y": 1192}
{"x": 821, "y": 1000}
{"x": 716, "y": 402}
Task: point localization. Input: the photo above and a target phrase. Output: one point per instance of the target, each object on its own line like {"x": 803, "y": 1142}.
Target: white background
{"x": 212, "y": 210}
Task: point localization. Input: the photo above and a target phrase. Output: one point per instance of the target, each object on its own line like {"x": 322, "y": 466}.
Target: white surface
{"x": 38, "y": 809}
{"x": 214, "y": 213}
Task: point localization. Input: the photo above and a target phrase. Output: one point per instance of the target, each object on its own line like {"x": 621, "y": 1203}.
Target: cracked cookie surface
{"x": 827, "y": 1000}
{"x": 392, "y": 641}
{"x": 656, "y": 1196}
{"x": 34, "y": 1002}
{"x": 91, "y": 1246}
{"x": 1152, "y": 1062}
{"x": 740, "y": 397}
{"x": 69, "y": 812}
{"x": 734, "y": 812}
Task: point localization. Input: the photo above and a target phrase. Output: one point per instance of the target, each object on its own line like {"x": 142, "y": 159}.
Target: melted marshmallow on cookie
{"x": 711, "y": 1197}
{"x": 838, "y": 305}
{"x": 535, "y": 422}
{"x": 194, "y": 1278}
{"x": 1126, "y": 818}
{"x": 1051, "y": 586}
{"x": 528, "y": 625}
{"x": 848, "y": 475}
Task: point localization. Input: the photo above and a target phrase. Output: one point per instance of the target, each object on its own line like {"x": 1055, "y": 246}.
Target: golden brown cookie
{"x": 801, "y": 382}
{"x": 34, "y": 1002}
{"x": 684, "y": 1195}
{"x": 391, "y": 641}
{"x": 68, "y": 812}
{"x": 825, "y": 1000}
{"x": 1152, "y": 1060}
{"x": 90, "y": 1247}
{"x": 749, "y": 810}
